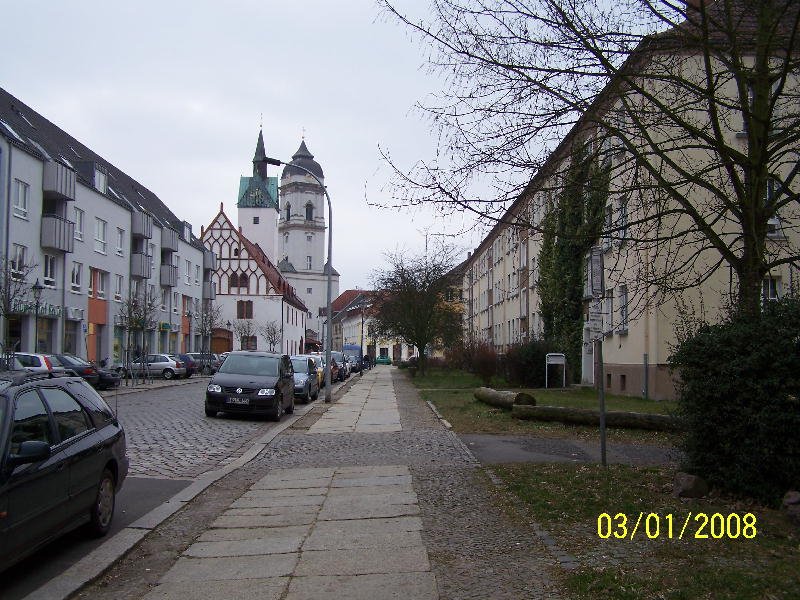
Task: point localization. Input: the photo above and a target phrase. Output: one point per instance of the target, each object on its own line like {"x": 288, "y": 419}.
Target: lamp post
{"x": 37, "y": 297}
{"x": 277, "y": 163}
{"x": 361, "y": 370}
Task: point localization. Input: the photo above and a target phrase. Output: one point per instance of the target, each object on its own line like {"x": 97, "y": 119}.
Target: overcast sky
{"x": 172, "y": 93}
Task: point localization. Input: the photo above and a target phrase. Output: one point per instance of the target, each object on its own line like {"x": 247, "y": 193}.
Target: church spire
{"x": 260, "y": 167}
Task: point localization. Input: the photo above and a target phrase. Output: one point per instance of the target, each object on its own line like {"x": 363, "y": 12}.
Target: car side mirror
{"x": 30, "y": 451}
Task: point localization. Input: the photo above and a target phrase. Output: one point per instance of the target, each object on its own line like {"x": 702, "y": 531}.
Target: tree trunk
{"x": 584, "y": 416}
{"x": 503, "y": 399}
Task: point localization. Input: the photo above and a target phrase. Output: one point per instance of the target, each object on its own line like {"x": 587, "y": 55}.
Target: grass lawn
{"x": 451, "y": 393}
{"x": 566, "y": 499}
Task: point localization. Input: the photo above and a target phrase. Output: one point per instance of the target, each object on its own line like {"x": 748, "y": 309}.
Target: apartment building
{"x": 660, "y": 273}
{"x": 94, "y": 239}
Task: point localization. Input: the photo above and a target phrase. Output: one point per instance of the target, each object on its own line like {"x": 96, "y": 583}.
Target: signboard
{"x": 595, "y": 321}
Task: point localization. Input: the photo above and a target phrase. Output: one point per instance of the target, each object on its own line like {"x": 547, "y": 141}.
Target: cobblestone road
{"x": 169, "y": 435}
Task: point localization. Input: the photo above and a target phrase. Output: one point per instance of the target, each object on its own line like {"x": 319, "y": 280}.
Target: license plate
{"x": 238, "y": 400}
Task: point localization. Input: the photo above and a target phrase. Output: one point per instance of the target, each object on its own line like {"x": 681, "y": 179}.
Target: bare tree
{"x": 244, "y": 329}
{"x": 16, "y": 297}
{"x": 209, "y": 319}
{"x": 694, "y": 108}
{"x": 271, "y": 332}
{"x": 411, "y": 301}
{"x": 137, "y": 315}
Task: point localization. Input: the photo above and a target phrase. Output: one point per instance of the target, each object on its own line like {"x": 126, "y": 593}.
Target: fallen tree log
{"x": 586, "y": 416}
{"x": 503, "y": 399}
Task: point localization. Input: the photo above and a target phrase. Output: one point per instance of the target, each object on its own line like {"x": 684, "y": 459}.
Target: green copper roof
{"x": 254, "y": 192}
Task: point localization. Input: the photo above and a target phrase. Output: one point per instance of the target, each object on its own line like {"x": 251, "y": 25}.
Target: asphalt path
{"x": 138, "y": 496}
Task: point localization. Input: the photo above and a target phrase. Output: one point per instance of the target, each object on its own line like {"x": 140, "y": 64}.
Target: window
{"x": 309, "y": 238}
{"x": 102, "y": 285}
{"x": 770, "y": 289}
{"x": 608, "y": 312}
{"x": 249, "y": 342}
{"x": 623, "y": 310}
{"x": 118, "y": 279}
{"x": 18, "y": 262}
{"x": 308, "y": 263}
{"x": 608, "y": 224}
{"x": 188, "y": 273}
{"x": 120, "y": 242}
{"x": 100, "y": 181}
{"x": 100, "y": 227}
{"x": 92, "y": 275}
{"x": 78, "y": 224}
{"x": 75, "y": 278}
{"x": 623, "y": 221}
{"x": 285, "y": 239}
{"x": 176, "y": 298}
{"x": 309, "y": 290}
{"x": 151, "y": 252}
{"x": 255, "y": 220}
{"x": 244, "y": 309}
{"x": 22, "y": 193}
{"x": 309, "y": 212}
{"x": 164, "y": 299}
{"x": 71, "y": 420}
{"x": 31, "y": 422}
{"x": 197, "y": 274}
{"x": 49, "y": 270}
{"x": 288, "y": 211}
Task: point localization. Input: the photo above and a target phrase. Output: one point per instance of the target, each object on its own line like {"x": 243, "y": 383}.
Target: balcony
{"x": 169, "y": 239}
{"x": 209, "y": 291}
{"x": 140, "y": 265}
{"x": 142, "y": 225}
{"x": 57, "y": 233}
{"x": 209, "y": 260}
{"x": 58, "y": 181}
{"x": 169, "y": 276}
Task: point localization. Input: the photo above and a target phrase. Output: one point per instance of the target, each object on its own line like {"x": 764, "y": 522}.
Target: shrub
{"x": 484, "y": 361}
{"x": 738, "y": 395}
{"x": 525, "y": 363}
{"x": 403, "y": 364}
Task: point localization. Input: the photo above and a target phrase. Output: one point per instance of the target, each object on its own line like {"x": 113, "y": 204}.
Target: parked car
{"x": 189, "y": 363}
{"x": 383, "y": 360}
{"x": 207, "y": 363}
{"x": 335, "y": 374}
{"x": 63, "y": 458}
{"x": 355, "y": 363}
{"x": 108, "y": 379}
{"x": 167, "y": 366}
{"x": 40, "y": 363}
{"x": 252, "y": 382}
{"x": 306, "y": 381}
{"x": 344, "y": 371}
{"x": 80, "y": 367}
{"x": 320, "y": 366}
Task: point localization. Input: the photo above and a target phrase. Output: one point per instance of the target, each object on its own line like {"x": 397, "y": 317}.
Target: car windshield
{"x": 250, "y": 364}
{"x": 300, "y": 365}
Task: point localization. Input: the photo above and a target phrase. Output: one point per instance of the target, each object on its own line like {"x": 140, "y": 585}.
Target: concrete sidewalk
{"x": 317, "y": 532}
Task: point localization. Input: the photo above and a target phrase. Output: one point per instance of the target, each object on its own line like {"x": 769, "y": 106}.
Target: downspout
{"x": 6, "y": 275}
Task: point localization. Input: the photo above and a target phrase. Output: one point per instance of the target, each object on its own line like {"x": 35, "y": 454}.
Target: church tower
{"x": 301, "y": 229}
{"x": 258, "y": 205}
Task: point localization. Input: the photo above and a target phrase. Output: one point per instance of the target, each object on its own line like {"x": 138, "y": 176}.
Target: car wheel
{"x": 102, "y": 511}
{"x": 168, "y": 373}
{"x": 278, "y": 410}
{"x": 210, "y": 412}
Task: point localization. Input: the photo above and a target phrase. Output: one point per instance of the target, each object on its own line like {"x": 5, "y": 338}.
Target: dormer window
{"x": 100, "y": 181}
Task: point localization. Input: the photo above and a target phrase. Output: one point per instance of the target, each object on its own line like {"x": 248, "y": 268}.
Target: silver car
{"x": 306, "y": 382}
{"x": 167, "y": 366}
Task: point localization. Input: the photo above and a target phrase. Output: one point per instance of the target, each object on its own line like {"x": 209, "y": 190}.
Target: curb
{"x": 101, "y": 558}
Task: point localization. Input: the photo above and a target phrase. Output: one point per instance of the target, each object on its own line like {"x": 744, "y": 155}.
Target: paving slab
{"x": 371, "y": 481}
{"x": 383, "y": 470}
{"x": 369, "y": 490}
{"x": 247, "y": 533}
{"x": 339, "y": 540}
{"x": 363, "y": 561}
{"x": 370, "y": 526}
{"x": 249, "y": 589}
{"x": 295, "y": 484}
{"x": 247, "y": 547}
{"x": 265, "y": 520}
{"x": 367, "y": 511}
{"x": 391, "y": 586}
{"x": 281, "y": 502}
{"x": 235, "y": 568}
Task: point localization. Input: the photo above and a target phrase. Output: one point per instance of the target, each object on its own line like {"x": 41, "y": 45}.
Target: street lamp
{"x": 277, "y": 163}
{"x": 37, "y": 297}
{"x": 361, "y": 370}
